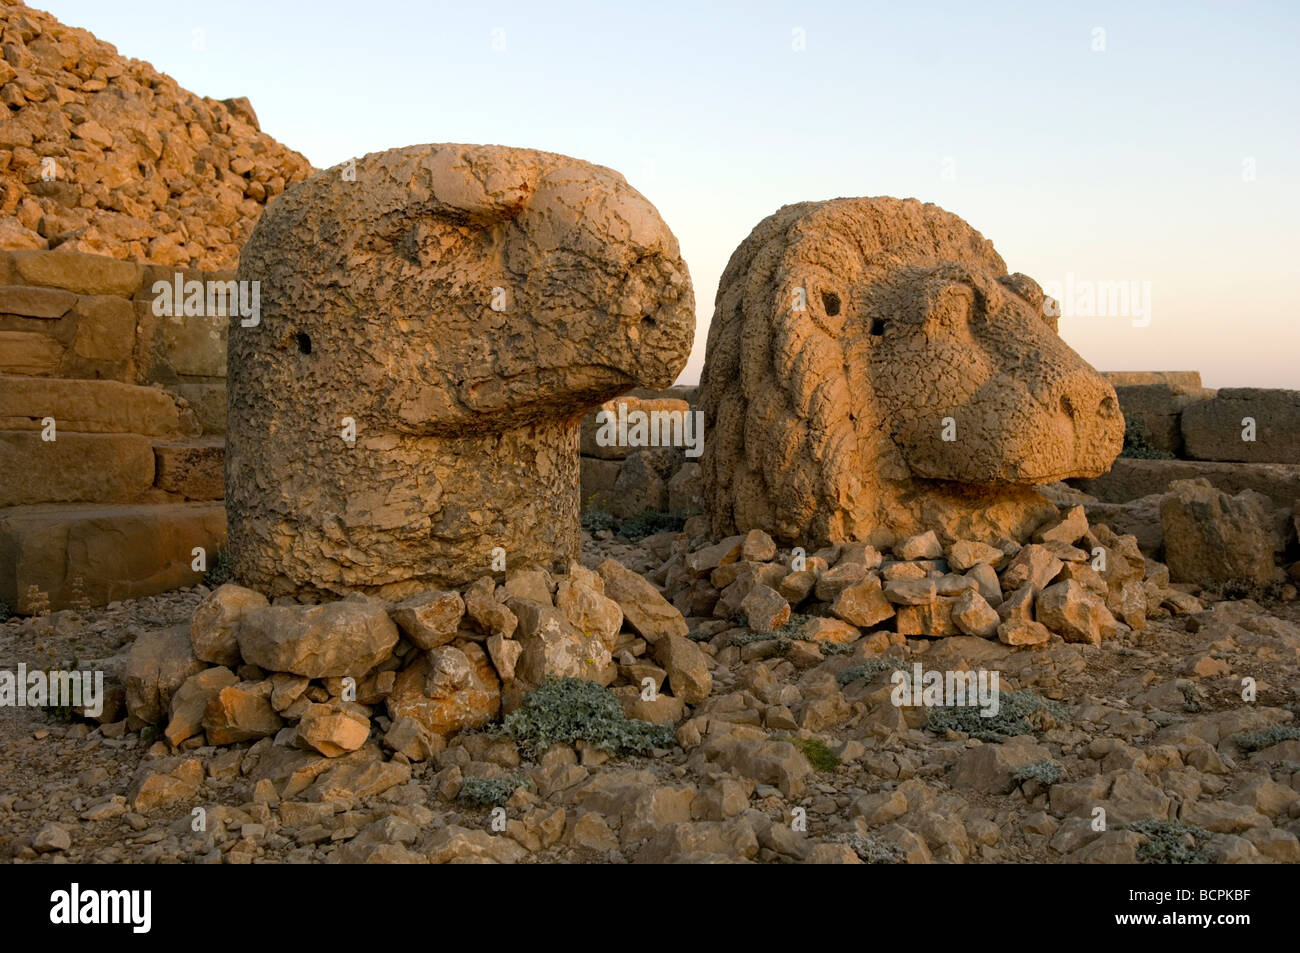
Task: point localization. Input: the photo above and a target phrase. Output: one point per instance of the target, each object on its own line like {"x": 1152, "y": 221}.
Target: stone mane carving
{"x": 873, "y": 370}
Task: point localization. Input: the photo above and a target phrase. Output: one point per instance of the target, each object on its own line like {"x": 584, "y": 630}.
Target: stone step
{"x": 74, "y": 468}
{"x": 195, "y": 469}
{"x": 93, "y": 406}
{"x": 117, "y": 552}
{"x": 1131, "y": 478}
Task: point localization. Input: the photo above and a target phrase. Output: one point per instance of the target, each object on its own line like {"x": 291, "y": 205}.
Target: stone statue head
{"x": 873, "y": 369}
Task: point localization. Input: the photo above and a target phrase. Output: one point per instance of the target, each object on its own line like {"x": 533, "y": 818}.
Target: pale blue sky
{"x": 1119, "y": 165}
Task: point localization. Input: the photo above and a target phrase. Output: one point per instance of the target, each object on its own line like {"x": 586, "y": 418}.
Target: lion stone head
{"x": 872, "y": 371}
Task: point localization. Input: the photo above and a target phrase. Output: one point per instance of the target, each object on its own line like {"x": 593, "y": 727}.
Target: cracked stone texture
{"x": 376, "y": 304}
{"x": 827, "y": 423}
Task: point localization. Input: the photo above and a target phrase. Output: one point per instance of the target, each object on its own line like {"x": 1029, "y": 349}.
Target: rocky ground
{"x": 787, "y": 749}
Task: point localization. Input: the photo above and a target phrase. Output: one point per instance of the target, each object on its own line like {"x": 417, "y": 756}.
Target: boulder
{"x": 213, "y": 625}
{"x": 429, "y": 619}
{"x": 449, "y": 689}
{"x": 158, "y": 664}
{"x": 1076, "y": 613}
{"x": 648, "y": 613}
{"x": 1210, "y": 535}
{"x": 336, "y": 639}
{"x": 240, "y": 713}
{"x": 687, "y": 667}
{"x": 333, "y": 729}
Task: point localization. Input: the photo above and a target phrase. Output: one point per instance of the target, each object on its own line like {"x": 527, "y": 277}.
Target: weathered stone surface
{"x": 239, "y": 713}
{"x": 1212, "y": 536}
{"x": 1034, "y": 565}
{"x": 1023, "y": 632}
{"x": 644, "y": 608}
{"x": 98, "y": 119}
{"x": 551, "y": 645}
{"x": 820, "y": 629}
{"x": 863, "y": 603}
{"x": 117, "y": 552}
{"x": 974, "y": 616}
{"x": 430, "y": 619}
{"x": 335, "y": 639}
{"x": 105, "y": 329}
{"x": 1155, "y": 409}
{"x": 87, "y": 406}
{"x": 1130, "y": 479}
{"x": 1216, "y": 429}
{"x": 449, "y": 689}
{"x": 687, "y": 667}
{"x": 466, "y": 416}
{"x": 215, "y": 620}
{"x": 35, "y": 302}
{"x": 189, "y": 704}
{"x": 80, "y": 273}
{"x": 74, "y": 468}
{"x": 158, "y": 664}
{"x": 28, "y": 352}
{"x": 921, "y": 546}
{"x": 988, "y": 768}
{"x": 588, "y": 610}
{"x": 910, "y": 592}
{"x": 932, "y": 618}
{"x": 333, "y": 729}
{"x": 163, "y": 782}
{"x": 194, "y": 469}
{"x": 1074, "y": 612}
{"x": 819, "y": 426}
{"x": 765, "y": 609}
{"x": 965, "y": 554}
{"x": 505, "y": 655}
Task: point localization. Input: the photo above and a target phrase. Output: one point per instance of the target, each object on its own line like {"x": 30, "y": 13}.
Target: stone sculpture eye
{"x": 831, "y": 303}
{"x": 304, "y": 342}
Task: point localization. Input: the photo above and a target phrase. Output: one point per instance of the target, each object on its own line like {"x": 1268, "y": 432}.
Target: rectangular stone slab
{"x": 75, "y": 468}
{"x": 120, "y": 552}
{"x": 1129, "y": 479}
{"x": 90, "y": 406}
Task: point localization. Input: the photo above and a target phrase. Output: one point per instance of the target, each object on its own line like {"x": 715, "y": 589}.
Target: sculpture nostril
{"x": 1067, "y": 406}
{"x": 1107, "y": 407}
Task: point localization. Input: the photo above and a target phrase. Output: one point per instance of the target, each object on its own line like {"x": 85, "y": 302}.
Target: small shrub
{"x": 870, "y": 849}
{"x": 594, "y": 520}
{"x": 488, "y": 792}
{"x": 221, "y": 571}
{"x": 1137, "y": 443}
{"x": 868, "y": 669}
{"x": 636, "y": 528}
{"x": 1019, "y": 713}
{"x": 783, "y": 635}
{"x": 818, "y": 755}
{"x": 1266, "y": 737}
{"x": 1167, "y": 842}
{"x": 1266, "y": 593}
{"x": 1045, "y": 772}
{"x": 565, "y": 710}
